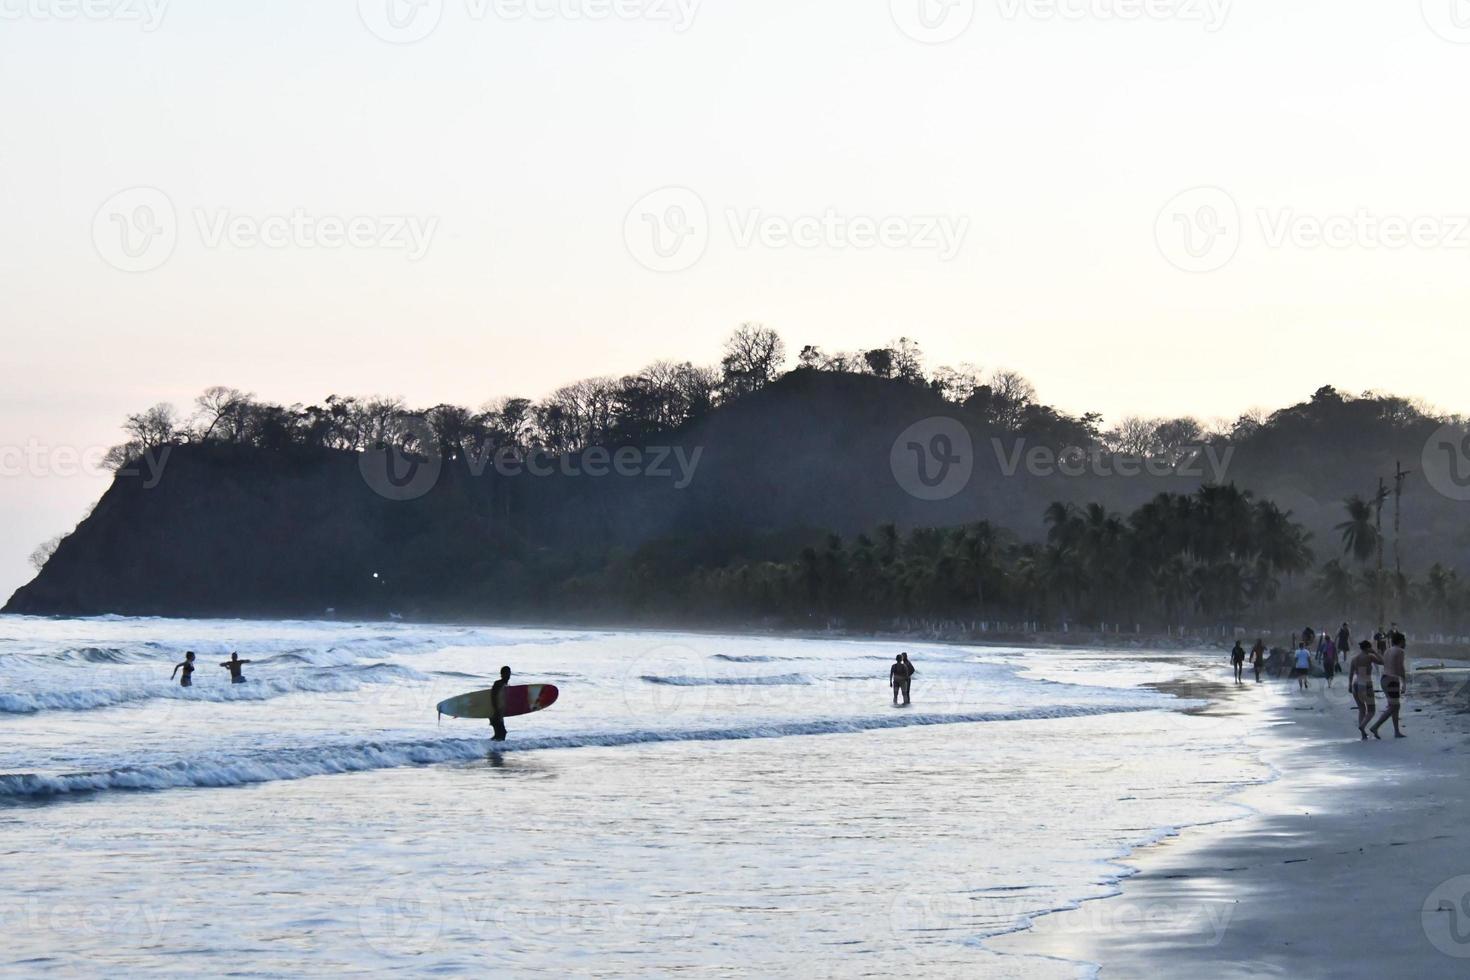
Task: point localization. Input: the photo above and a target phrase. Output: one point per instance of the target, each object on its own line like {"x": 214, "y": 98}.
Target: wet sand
{"x": 1355, "y": 863}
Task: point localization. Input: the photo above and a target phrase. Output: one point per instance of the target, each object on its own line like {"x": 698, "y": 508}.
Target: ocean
{"x": 694, "y": 803}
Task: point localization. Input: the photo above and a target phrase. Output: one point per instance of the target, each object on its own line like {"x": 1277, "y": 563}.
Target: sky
{"x": 1155, "y": 207}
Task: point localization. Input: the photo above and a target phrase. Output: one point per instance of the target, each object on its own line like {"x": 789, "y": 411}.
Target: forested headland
{"x": 776, "y": 502}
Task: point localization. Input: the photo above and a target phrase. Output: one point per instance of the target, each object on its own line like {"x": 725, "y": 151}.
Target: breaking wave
{"x": 304, "y": 762}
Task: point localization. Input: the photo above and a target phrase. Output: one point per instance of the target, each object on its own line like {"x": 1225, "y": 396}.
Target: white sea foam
{"x": 217, "y": 770}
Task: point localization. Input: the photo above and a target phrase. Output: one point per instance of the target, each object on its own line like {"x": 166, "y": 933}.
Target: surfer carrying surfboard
{"x": 497, "y": 704}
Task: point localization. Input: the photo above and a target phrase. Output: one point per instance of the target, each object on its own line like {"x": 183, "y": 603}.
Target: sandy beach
{"x": 1353, "y": 862}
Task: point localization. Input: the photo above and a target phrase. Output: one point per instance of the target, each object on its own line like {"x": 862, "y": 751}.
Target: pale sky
{"x": 1053, "y": 140}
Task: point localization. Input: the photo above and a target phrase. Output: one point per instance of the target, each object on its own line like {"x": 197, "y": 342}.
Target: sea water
{"x": 726, "y": 805}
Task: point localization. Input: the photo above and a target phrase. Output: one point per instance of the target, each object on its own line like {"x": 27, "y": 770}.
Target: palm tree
{"x": 1359, "y": 533}
{"x": 1336, "y": 583}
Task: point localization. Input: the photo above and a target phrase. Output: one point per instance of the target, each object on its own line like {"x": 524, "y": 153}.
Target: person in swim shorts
{"x": 1302, "y": 670}
{"x": 1360, "y": 682}
{"x": 233, "y": 665}
{"x": 1395, "y": 682}
{"x": 1237, "y": 660}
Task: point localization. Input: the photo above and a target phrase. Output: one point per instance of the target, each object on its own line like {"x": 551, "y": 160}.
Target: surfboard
{"x": 520, "y": 699}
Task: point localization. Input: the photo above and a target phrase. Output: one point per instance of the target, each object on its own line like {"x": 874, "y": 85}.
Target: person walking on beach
{"x": 1344, "y": 641}
{"x": 1258, "y": 657}
{"x": 1328, "y": 654}
{"x": 188, "y": 668}
{"x": 1303, "y": 669}
{"x": 1395, "y": 681}
{"x": 233, "y": 665}
{"x": 1360, "y": 682}
{"x": 497, "y": 704}
{"x": 1237, "y": 660}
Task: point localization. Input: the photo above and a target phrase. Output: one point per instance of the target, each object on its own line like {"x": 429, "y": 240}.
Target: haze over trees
{"x": 1216, "y": 554}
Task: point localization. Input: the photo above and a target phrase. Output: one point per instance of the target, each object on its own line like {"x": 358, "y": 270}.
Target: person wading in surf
{"x": 497, "y": 704}
{"x": 1395, "y": 680}
{"x": 188, "y": 667}
{"x": 900, "y": 676}
{"x": 233, "y": 665}
{"x": 1360, "y": 681}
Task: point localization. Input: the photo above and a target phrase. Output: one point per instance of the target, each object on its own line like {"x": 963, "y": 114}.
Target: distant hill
{"x": 237, "y": 530}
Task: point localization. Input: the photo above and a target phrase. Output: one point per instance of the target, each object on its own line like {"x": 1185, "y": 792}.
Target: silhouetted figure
{"x": 1327, "y": 651}
{"x": 895, "y": 673}
{"x": 1237, "y": 660}
{"x": 497, "y": 704}
{"x": 1360, "y": 682}
{"x": 1395, "y": 680}
{"x": 1258, "y": 657}
{"x": 902, "y": 675}
{"x": 1344, "y": 640}
{"x": 188, "y": 668}
{"x": 233, "y": 665}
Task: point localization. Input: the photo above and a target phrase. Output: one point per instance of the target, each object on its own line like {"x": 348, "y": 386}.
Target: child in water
{"x": 188, "y": 666}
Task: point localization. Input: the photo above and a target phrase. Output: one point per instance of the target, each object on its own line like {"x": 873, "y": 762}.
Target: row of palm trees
{"x": 1205, "y": 557}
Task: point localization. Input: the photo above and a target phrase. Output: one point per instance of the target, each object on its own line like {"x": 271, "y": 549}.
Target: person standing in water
{"x": 900, "y": 675}
{"x": 1395, "y": 681}
{"x": 233, "y": 665}
{"x": 1360, "y": 682}
{"x": 497, "y": 704}
{"x": 1237, "y": 660}
{"x": 1258, "y": 657}
{"x": 188, "y": 668}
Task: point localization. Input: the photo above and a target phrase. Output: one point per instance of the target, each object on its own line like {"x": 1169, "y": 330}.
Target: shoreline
{"x": 1353, "y": 860}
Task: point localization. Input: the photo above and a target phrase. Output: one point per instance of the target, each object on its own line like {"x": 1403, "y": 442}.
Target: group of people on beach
{"x": 234, "y": 665}
{"x": 1386, "y": 651}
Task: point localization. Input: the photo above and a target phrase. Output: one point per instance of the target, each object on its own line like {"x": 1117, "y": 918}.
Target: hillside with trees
{"x": 785, "y": 507}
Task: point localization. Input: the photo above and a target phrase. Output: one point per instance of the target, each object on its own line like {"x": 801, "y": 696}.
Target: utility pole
{"x": 1399, "y": 475}
{"x": 1378, "y": 578}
